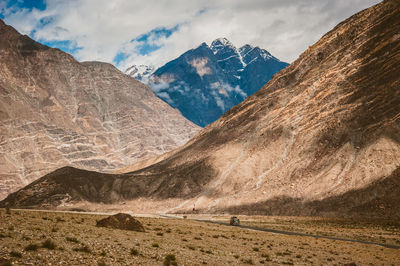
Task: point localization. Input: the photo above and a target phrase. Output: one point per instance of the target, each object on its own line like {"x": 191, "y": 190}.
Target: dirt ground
{"x": 54, "y": 238}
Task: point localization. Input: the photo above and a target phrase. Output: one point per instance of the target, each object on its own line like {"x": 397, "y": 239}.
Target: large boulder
{"x": 121, "y": 221}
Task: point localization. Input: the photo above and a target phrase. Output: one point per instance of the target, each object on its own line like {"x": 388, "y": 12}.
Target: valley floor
{"x": 77, "y": 241}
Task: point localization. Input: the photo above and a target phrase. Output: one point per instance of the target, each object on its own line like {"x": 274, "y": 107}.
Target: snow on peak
{"x": 223, "y": 41}
{"x": 265, "y": 54}
{"x": 245, "y": 49}
{"x": 220, "y": 43}
{"x": 139, "y": 71}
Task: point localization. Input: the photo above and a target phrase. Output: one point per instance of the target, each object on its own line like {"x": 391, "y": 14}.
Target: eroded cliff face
{"x": 55, "y": 111}
{"x": 321, "y": 138}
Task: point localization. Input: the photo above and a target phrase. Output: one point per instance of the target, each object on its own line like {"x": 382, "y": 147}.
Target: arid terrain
{"x": 77, "y": 240}
{"x": 56, "y": 111}
{"x": 321, "y": 138}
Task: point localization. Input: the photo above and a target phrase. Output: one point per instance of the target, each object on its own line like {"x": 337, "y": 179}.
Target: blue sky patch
{"x": 29, "y": 4}
{"x": 146, "y": 43}
{"x": 66, "y": 46}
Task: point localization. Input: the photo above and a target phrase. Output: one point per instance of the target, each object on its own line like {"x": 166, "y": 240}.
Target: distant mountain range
{"x": 205, "y": 82}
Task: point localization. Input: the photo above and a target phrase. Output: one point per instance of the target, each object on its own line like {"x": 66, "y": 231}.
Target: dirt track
{"x": 291, "y": 233}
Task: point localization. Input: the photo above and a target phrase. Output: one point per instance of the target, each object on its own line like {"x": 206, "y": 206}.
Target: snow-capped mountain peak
{"x": 206, "y": 81}
{"x": 221, "y": 43}
{"x": 139, "y": 72}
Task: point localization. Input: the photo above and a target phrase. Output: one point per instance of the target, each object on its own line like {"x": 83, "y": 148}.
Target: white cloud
{"x": 224, "y": 88}
{"x": 220, "y": 103}
{"x": 102, "y": 28}
{"x": 234, "y": 89}
{"x": 165, "y": 96}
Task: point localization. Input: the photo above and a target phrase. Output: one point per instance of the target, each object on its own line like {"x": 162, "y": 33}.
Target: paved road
{"x": 270, "y": 230}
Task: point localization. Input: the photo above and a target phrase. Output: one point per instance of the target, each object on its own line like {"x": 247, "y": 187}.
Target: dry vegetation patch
{"x": 28, "y": 238}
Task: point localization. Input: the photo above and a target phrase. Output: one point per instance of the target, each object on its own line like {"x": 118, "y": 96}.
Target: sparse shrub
{"x": 31, "y": 247}
{"x": 168, "y": 230}
{"x": 248, "y": 261}
{"x": 8, "y": 211}
{"x": 5, "y": 262}
{"x": 265, "y": 255}
{"x": 101, "y": 263}
{"x": 170, "y": 259}
{"x": 191, "y": 248}
{"x": 103, "y": 253}
{"x": 49, "y": 244}
{"x": 287, "y": 252}
{"x": 26, "y": 238}
{"x": 72, "y": 239}
{"x": 11, "y": 228}
{"x": 160, "y": 234}
{"x": 256, "y": 249}
{"x": 236, "y": 256}
{"x": 209, "y": 252}
{"x": 155, "y": 245}
{"x": 15, "y": 254}
{"x": 59, "y": 219}
{"x": 134, "y": 252}
{"x": 83, "y": 248}
{"x": 197, "y": 238}
{"x": 54, "y": 229}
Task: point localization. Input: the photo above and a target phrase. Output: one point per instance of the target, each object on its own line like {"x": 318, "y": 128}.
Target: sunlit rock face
{"x": 55, "y": 111}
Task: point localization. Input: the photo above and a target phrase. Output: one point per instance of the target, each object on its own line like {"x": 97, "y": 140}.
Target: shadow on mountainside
{"x": 379, "y": 200}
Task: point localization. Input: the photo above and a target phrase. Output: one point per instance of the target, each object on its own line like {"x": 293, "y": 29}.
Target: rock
{"x": 121, "y": 221}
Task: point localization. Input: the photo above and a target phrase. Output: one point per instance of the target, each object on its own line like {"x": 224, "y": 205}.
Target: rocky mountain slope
{"x": 55, "y": 111}
{"x": 321, "y": 138}
{"x": 207, "y": 81}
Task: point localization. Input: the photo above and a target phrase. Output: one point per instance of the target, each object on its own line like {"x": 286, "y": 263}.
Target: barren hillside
{"x": 321, "y": 138}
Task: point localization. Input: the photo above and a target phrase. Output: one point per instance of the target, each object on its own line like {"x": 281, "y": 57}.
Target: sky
{"x": 153, "y": 32}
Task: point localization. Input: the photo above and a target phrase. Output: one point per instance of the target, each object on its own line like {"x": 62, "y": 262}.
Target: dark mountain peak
{"x": 203, "y": 45}
{"x": 202, "y": 49}
{"x": 245, "y": 48}
{"x": 206, "y": 81}
{"x": 222, "y": 44}
{"x": 251, "y": 54}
